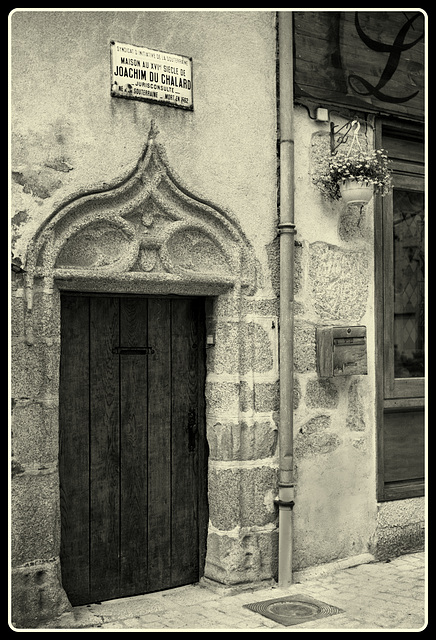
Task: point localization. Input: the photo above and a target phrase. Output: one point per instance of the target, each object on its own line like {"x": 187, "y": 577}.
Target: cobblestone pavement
{"x": 376, "y": 596}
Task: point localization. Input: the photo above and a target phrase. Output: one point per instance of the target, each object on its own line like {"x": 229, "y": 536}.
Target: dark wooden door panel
{"x": 104, "y": 448}
{"x": 184, "y": 529}
{"x": 74, "y": 447}
{"x": 159, "y": 444}
{"x": 132, "y": 445}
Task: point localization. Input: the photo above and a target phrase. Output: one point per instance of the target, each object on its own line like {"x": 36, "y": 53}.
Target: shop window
{"x": 400, "y": 296}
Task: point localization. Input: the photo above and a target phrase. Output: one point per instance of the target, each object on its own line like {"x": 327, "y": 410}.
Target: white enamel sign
{"x": 140, "y": 73}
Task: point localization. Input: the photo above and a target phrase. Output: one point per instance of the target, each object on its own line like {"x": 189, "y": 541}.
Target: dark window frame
{"x": 394, "y": 396}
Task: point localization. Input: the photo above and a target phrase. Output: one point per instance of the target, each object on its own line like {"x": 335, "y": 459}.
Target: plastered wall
{"x": 336, "y": 513}
{"x": 335, "y": 417}
{"x": 68, "y": 134}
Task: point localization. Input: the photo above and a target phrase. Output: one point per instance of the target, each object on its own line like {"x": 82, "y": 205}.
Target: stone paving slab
{"x": 375, "y": 596}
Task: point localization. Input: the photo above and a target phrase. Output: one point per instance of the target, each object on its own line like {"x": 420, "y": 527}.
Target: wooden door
{"x": 133, "y": 453}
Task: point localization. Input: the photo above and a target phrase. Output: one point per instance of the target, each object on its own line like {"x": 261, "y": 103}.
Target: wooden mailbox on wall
{"x": 341, "y": 351}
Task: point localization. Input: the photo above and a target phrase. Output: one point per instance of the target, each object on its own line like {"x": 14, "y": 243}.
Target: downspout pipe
{"x": 287, "y": 231}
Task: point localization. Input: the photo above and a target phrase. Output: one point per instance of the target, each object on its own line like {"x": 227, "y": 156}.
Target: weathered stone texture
{"x": 18, "y": 311}
{"x": 242, "y": 441}
{"x": 34, "y": 433}
{"x": 223, "y": 356}
{"x": 400, "y": 527}
{"x": 45, "y": 305}
{"x": 257, "y": 354}
{"x": 395, "y": 541}
{"x": 261, "y": 307}
{"x": 304, "y": 346}
{"x": 321, "y": 393}
{"x": 242, "y": 496}
{"x": 34, "y": 510}
{"x": 339, "y": 282}
{"x": 352, "y": 223}
{"x": 242, "y": 558}
{"x": 315, "y": 438}
{"x": 299, "y": 251}
{"x": 273, "y": 253}
{"x": 37, "y": 594}
{"x": 319, "y": 153}
{"x": 355, "y": 416}
{"x": 297, "y": 392}
{"x": 27, "y": 369}
{"x": 361, "y": 444}
{"x": 242, "y": 347}
{"x": 193, "y": 250}
{"x": 259, "y": 397}
{"x": 222, "y": 397}
{"x": 41, "y": 183}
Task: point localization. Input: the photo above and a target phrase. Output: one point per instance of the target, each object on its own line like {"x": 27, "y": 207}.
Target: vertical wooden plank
{"x": 203, "y": 448}
{"x": 104, "y": 439}
{"x": 74, "y": 447}
{"x": 159, "y": 445}
{"x": 133, "y": 473}
{"x": 388, "y": 295}
{"x": 184, "y": 449}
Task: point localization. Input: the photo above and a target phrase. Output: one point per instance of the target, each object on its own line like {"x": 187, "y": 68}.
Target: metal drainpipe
{"x": 287, "y": 231}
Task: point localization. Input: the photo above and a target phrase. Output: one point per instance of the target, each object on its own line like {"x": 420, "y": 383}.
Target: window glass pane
{"x": 408, "y": 283}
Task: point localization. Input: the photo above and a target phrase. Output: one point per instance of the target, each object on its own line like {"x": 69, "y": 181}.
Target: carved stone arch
{"x": 147, "y": 234}
{"x": 146, "y": 228}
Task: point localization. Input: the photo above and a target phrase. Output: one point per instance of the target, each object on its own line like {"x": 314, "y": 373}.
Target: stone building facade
{"x": 111, "y": 196}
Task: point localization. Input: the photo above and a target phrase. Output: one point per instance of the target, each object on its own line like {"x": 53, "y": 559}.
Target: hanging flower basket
{"x": 359, "y": 167}
{"x": 356, "y": 192}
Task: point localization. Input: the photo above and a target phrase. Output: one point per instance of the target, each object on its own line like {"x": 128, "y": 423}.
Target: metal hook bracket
{"x": 339, "y": 136}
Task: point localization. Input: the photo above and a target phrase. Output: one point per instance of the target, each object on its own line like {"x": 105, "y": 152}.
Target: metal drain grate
{"x": 293, "y": 609}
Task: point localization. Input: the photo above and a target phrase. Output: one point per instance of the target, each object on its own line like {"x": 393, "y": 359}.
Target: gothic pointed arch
{"x": 145, "y": 228}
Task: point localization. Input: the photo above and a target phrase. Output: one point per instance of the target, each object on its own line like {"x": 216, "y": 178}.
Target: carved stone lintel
{"x": 148, "y": 223}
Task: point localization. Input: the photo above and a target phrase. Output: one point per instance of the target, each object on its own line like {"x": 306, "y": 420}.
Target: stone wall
{"x": 242, "y": 412}
{"x": 37, "y": 591}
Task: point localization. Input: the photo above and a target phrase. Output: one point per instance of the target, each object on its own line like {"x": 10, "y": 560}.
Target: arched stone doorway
{"x": 148, "y": 236}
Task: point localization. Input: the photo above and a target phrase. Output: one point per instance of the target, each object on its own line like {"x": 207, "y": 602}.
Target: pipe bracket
{"x": 284, "y": 504}
{"x": 286, "y": 227}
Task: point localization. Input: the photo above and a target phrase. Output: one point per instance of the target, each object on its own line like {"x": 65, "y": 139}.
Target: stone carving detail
{"x": 147, "y": 259}
{"x": 147, "y": 224}
{"x": 189, "y": 248}
{"x": 99, "y": 244}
